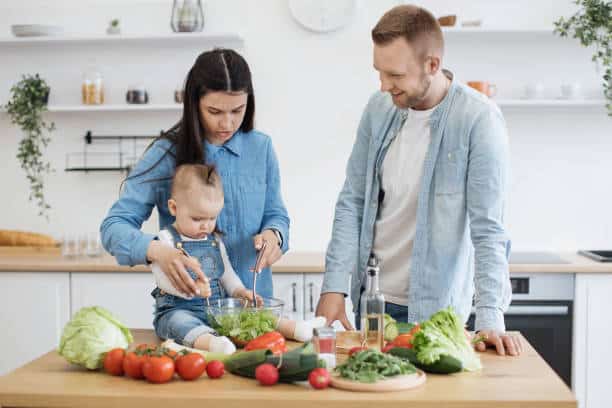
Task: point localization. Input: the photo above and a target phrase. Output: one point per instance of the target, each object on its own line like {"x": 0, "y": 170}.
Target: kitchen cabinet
{"x": 289, "y": 287}
{"x": 126, "y": 295}
{"x": 592, "y": 340}
{"x": 34, "y": 309}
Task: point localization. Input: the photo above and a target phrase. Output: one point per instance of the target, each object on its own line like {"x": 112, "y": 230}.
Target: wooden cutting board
{"x": 398, "y": 383}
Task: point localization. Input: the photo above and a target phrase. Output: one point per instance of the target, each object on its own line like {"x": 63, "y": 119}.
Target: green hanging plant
{"x": 592, "y": 25}
{"x": 28, "y": 100}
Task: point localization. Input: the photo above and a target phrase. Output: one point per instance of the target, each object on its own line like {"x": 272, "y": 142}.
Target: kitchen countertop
{"x": 293, "y": 262}
{"x": 504, "y": 382}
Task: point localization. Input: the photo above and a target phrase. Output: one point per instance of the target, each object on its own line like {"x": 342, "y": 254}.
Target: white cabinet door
{"x": 592, "y": 340}
{"x": 312, "y": 291}
{"x": 290, "y": 288}
{"x": 34, "y": 308}
{"x": 126, "y": 295}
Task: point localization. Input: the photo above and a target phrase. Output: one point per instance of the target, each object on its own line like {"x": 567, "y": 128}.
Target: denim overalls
{"x": 184, "y": 320}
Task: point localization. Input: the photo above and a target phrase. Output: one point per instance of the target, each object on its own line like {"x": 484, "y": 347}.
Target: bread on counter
{"x": 23, "y": 238}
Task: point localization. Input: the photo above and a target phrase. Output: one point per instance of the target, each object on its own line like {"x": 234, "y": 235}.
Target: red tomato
{"x": 266, "y": 374}
{"x": 415, "y": 329}
{"x": 158, "y": 369}
{"x": 113, "y": 361}
{"x": 132, "y": 365}
{"x": 356, "y": 350}
{"x": 319, "y": 378}
{"x": 215, "y": 369}
{"x": 190, "y": 366}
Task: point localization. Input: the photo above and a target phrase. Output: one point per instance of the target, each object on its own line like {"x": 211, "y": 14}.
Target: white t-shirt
{"x": 395, "y": 225}
{"x": 229, "y": 280}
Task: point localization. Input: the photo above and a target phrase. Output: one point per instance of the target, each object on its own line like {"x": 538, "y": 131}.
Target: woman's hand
{"x": 272, "y": 253}
{"x": 244, "y": 293}
{"x": 174, "y": 264}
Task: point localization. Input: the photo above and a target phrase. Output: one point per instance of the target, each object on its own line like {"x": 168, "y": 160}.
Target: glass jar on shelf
{"x": 92, "y": 88}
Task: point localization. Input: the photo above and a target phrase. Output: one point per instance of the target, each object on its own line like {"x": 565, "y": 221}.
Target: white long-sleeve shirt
{"x": 229, "y": 280}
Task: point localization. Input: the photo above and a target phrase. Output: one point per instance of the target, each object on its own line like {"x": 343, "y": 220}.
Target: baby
{"x": 196, "y": 201}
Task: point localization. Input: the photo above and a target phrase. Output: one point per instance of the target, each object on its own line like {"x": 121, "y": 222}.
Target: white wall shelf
{"x": 178, "y": 107}
{"x": 170, "y": 107}
{"x": 203, "y": 40}
{"x": 493, "y": 30}
{"x": 551, "y": 103}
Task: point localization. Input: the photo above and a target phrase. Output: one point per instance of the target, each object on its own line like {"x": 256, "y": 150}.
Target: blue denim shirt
{"x": 460, "y": 241}
{"x": 250, "y": 175}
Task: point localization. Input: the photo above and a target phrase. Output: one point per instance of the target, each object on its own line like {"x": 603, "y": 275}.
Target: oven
{"x": 542, "y": 310}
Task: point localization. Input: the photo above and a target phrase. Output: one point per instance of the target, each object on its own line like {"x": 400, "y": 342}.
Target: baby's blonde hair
{"x": 187, "y": 175}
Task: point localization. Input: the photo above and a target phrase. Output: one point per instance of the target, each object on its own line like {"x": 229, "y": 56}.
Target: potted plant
{"x": 592, "y": 25}
{"x": 113, "y": 27}
{"x": 27, "y": 101}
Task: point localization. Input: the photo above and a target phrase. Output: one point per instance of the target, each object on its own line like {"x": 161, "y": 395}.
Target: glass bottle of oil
{"x": 372, "y": 308}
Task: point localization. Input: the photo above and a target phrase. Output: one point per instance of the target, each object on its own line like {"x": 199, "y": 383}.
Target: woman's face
{"x": 221, "y": 114}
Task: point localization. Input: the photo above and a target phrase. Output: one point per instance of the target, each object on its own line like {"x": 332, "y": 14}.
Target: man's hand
{"x": 504, "y": 343}
{"x": 331, "y": 306}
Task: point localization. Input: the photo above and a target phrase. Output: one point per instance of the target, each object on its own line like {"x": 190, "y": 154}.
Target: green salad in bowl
{"x": 239, "y": 320}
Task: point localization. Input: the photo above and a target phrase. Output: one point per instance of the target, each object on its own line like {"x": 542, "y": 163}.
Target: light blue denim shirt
{"x": 250, "y": 175}
{"x": 460, "y": 242}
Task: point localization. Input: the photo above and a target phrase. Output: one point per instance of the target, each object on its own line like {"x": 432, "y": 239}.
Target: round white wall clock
{"x": 323, "y": 16}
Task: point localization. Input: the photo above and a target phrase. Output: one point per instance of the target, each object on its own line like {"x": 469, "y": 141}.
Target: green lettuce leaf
{"x": 444, "y": 334}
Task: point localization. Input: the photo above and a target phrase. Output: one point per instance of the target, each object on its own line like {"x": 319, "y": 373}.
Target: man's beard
{"x": 417, "y": 97}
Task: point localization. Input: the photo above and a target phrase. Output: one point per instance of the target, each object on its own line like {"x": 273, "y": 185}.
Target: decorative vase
{"x": 187, "y": 16}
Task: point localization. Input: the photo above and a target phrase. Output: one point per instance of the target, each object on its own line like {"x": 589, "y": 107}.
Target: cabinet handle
{"x": 311, "y": 296}
{"x": 293, "y": 295}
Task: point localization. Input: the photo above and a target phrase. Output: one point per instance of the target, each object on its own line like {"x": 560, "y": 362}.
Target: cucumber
{"x": 295, "y": 365}
{"x": 445, "y": 365}
{"x": 246, "y": 360}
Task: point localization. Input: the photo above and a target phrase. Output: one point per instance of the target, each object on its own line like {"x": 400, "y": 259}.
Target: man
{"x": 425, "y": 190}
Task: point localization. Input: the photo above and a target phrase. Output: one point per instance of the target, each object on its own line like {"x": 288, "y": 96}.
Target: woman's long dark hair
{"x": 218, "y": 70}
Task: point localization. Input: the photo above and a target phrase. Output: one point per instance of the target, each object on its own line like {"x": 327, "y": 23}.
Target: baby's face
{"x": 196, "y": 215}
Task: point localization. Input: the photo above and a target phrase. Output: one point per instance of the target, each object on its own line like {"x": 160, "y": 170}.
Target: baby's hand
{"x": 204, "y": 287}
{"x": 244, "y": 293}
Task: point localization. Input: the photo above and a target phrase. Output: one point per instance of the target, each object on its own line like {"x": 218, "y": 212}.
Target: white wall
{"x": 310, "y": 92}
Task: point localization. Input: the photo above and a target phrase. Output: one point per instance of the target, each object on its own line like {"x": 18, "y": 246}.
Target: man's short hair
{"x": 418, "y": 26}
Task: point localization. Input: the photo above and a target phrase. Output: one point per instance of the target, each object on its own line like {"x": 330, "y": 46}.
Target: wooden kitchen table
{"x": 49, "y": 381}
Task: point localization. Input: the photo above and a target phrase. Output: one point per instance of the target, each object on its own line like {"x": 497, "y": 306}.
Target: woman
{"x": 216, "y": 129}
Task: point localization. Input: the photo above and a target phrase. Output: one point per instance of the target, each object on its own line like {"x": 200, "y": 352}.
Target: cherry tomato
{"x": 113, "y": 361}
{"x": 190, "y": 366}
{"x": 319, "y": 378}
{"x": 215, "y": 369}
{"x": 266, "y": 374}
{"x": 132, "y": 365}
{"x": 158, "y": 369}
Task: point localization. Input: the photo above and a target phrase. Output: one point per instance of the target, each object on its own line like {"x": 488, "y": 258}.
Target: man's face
{"x": 401, "y": 73}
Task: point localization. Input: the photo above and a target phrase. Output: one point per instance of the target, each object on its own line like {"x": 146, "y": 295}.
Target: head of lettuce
{"x": 90, "y": 333}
